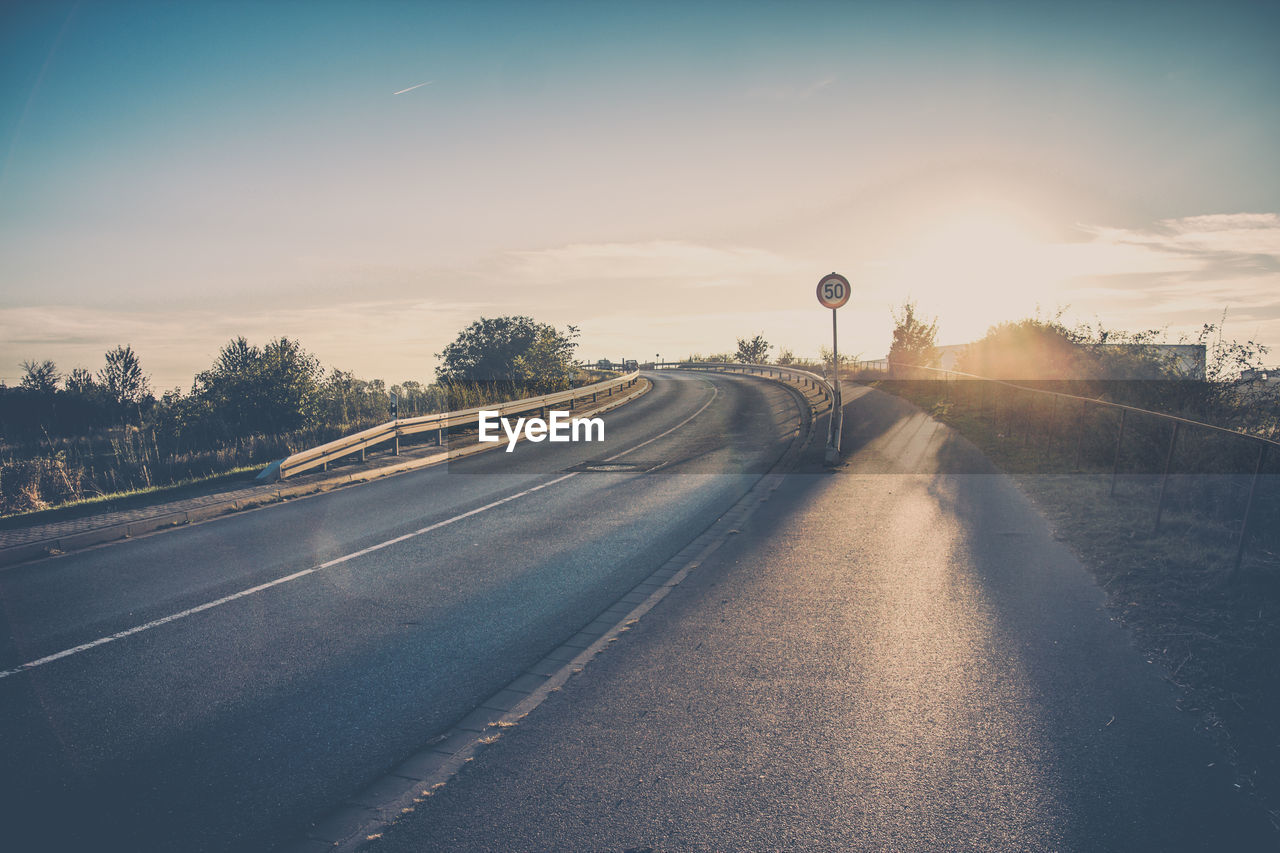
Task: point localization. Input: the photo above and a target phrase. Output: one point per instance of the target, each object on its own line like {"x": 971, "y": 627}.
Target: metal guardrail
{"x": 1263, "y": 444}
{"x": 393, "y": 430}
{"x": 835, "y": 425}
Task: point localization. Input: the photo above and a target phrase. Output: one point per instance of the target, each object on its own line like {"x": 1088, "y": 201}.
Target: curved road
{"x": 231, "y": 726}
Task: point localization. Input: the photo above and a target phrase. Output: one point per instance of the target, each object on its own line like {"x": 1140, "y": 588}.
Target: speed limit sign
{"x": 833, "y": 291}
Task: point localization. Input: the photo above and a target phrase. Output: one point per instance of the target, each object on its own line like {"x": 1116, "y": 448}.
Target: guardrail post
{"x": 362, "y": 459}
{"x": 396, "y": 450}
{"x": 1115, "y": 465}
{"x": 440, "y": 437}
{"x": 1248, "y": 511}
{"x": 1164, "y": 479}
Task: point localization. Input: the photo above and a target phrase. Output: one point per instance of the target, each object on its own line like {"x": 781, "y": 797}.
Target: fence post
{"x": 1248, "y": 510}
{"x": 1029, "y": 419}
{"x": 1115, "y": 465}
{"x": 1164, "y": 478}
{"x": 1053, "y": 423}
{"x": 1084, "y": 410}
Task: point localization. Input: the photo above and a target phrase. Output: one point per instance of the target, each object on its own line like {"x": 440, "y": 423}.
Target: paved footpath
{"x": 896, "y": 656}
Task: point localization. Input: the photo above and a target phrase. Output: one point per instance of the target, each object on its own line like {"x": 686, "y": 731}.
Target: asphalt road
{"x": 897, "y": 656}
{"x": 231, "y": 727}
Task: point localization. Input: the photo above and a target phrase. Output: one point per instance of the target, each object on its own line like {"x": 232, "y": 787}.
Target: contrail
{"x": 411, "y": 88}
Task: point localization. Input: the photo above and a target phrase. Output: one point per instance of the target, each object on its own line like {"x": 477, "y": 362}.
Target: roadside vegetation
{"x": 88, "y": 435}
{"x": 1215, "y": 631}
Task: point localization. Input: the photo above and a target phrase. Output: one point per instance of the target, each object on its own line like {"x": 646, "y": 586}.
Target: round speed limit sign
{"x": 833, "y": 290}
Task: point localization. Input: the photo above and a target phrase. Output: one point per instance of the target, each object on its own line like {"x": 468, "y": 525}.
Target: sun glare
{"x": 971, "y": 267}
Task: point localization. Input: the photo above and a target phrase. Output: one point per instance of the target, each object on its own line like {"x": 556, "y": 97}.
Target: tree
{"x": 846, "y": 359}
{"x": 251, "y": 390}
{"x": 80, "y": 381}
{"x": 1032, "y": 348}
{"x": 753, "y": 350}
{"x": 40, "y": 376}
{"x": 786, "y": 356}
{"x": 913, "y": 339}
{"x": 122, "y": 378}
{"x": 548, "y": 365}
{"x": 515, "y": 350}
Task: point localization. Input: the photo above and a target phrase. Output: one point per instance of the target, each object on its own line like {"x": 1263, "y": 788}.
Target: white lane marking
{"x": 715, "y": 392}
{"x": 209, "y": 605}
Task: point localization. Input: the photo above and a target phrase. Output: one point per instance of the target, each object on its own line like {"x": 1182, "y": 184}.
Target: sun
{"x": 972, "y": 265}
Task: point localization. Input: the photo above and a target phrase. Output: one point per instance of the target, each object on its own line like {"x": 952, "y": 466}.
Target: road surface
{"x": 898, "y": 656}
{"x": 218, "y": 687}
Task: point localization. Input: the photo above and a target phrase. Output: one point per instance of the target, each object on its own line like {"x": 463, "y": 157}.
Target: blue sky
{"x": 666, "y": 176}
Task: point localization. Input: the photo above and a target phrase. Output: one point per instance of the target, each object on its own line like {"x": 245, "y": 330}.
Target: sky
{"x": 370, "y": 178}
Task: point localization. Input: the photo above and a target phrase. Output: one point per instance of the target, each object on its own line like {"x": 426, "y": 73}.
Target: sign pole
{"x": 835, "y": 356}
{"x": 833, "y": 292}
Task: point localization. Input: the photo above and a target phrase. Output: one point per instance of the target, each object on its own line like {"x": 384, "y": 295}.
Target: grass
{"x": 1217, "y": 642}
{"x": 125, "y": 499}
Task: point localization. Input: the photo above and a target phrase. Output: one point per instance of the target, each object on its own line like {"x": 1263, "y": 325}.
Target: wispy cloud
{"x": 665, "y": 260}
{"x": 1219, "y": 234}
{"x": 411, "y": 88}
{"x": 790, "y": 92}
{"x": 1216, "y": 261}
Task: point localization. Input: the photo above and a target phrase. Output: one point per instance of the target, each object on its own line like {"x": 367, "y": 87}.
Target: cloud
{"x": 411, "y": 88}
{"x": 785, "y": 92}
{"x": 661, "y": 260}
{"x": 1220, "y": 235}
{"x": 1215, "y": 261}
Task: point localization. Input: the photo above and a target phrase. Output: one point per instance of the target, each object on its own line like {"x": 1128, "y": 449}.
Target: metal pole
{"x": 1053, "y": 423}
{"x": 1115, "y": 465}
{"x": 1084, "y": 407}
{"x": 836, "y": 423}
{"x": 1248, "y": 510}
{"x": 835, "y": 355}
{"x": 1164, "y": 479}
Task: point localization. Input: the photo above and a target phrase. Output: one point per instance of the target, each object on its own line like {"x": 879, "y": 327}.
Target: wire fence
{"x": 1209, "y": 472}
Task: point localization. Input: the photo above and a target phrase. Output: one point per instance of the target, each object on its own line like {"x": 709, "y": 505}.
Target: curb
{"x": 57, "y": 546}
{"x": 363, "y": 817}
